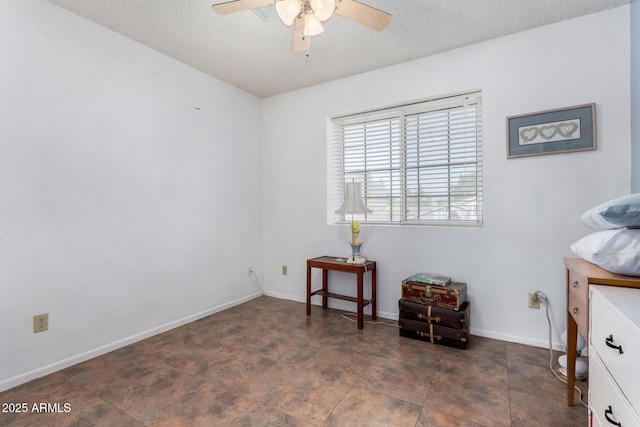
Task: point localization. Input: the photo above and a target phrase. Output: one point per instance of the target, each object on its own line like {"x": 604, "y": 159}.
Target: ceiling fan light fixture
{"x": 312, "y": 25}
{"x": 308, "y": 15}
{"x": 288, "y": 10}
{"x": 323, "y": 9}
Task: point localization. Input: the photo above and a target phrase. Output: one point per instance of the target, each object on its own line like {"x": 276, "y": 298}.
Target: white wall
{"x": 531, "y": 205}
{"x": 129, "y": 191}
{"x": 118, "y": 165}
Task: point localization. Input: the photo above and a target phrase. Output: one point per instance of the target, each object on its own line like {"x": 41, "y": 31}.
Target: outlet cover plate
{"x": 40, "y": 322}
{"x": 534, "y": 301}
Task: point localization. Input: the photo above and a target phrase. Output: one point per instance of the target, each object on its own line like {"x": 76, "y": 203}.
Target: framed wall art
{"x": 562, "y": 130}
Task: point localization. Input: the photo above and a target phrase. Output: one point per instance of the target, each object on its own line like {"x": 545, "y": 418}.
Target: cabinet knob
{"x": 608, "y": 412}
{"x": 575, "y": 284}
{"x": 609, "y": 342}
{"x": 575, "y": 310}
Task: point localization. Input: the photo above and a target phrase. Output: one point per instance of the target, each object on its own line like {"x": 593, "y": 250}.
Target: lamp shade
{"x": 581, "y": 341}
{"x": 323, "y": 9}
{"x": 288, "y": 10}
{"x": 312, "y": 25}
{"x": 353, "y": 203}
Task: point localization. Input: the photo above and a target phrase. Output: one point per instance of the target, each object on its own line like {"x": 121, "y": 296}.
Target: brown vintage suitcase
{"x": 436, "y": 315}
{"x": 423, "y": 331}
{"x": 451, "y": 296}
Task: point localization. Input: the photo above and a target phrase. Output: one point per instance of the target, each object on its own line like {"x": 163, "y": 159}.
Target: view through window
{"x": 419, "y": 163}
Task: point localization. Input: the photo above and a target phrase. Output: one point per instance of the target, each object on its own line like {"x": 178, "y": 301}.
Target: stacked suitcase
{"x": 437, "y": 313}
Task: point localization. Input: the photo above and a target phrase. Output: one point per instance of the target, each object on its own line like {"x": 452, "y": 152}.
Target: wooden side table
{"x": 581, "y": 274}
{"x": 327, "y": 263}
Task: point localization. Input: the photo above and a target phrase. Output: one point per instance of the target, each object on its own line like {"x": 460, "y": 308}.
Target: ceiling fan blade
{"x": 301, "y": 43}
{"x": 239, "y": 6}
{"x": 363, "y": 14}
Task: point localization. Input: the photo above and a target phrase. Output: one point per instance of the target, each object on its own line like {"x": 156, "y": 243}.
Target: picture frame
{"x": 562, "y": 130}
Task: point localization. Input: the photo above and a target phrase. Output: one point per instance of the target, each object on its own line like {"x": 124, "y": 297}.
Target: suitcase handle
{"x": 432, "y": 336}
{"x": 428, "y": 297}
{"x": 436, "y": 319}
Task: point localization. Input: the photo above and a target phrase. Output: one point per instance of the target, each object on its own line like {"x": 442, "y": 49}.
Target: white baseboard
{"x": 518, "y": 339}
{"x": 99, "y": 351}
{"x": 339, "y": 305}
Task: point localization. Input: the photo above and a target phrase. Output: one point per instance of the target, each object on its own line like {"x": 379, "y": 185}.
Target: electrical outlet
{"x": 284, "y": 270}
{"x": 40, "y": 322}
{"x": 250, "y": 272}
{"x": 534, "y": 302}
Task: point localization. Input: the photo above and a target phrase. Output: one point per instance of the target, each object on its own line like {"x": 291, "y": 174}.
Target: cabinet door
{"x": 605, "y": 399}
{"x": 615, "y": 336}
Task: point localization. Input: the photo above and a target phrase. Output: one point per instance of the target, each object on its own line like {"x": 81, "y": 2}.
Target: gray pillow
{"x": 617, "y": 213}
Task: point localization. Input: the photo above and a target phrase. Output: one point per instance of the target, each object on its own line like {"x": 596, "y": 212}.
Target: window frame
{"x": 469, "y": 103}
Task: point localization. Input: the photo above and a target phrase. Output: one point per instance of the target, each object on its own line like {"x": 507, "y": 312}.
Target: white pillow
{"x": 617, "y": 251}
{"x": 617, "y": 213}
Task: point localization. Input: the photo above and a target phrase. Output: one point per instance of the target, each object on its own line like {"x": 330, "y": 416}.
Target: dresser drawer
{"x": 579, "y": 313}
{"x": 605, "y": 399}
{"x": 578, "y": 287}
{"x": 615, "y": 336}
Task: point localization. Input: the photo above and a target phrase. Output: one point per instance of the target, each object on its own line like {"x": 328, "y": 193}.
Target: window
{"x": 419, "y": 163}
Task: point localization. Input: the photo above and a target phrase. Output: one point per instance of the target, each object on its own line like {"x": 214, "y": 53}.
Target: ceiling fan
{"x": 308, "y": 15}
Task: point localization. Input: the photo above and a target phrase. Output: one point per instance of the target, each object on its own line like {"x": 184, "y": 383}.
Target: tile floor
{"x": 265, "y": 363}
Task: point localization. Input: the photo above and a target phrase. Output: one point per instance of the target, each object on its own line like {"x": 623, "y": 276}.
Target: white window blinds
{"x": 419, "y": 163}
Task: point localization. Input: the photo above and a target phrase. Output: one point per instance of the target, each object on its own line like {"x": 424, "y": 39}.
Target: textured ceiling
{"x": 254, "y": 53}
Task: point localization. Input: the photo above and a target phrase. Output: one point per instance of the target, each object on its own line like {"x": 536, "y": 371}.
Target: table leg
{"x": 325, "y": 287}
{"x": 374, "y": 311}
{"x": 308, "y": 289}
{"x": 359, "y": 301}
{"x": 572, "y": 343}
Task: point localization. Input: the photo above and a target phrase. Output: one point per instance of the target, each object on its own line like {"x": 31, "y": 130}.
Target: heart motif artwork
{"x": 528, "y": 134}
{"x": 548, "y": 132}
{"x": 562, "y": 130}
{"x": 567, "y": 129}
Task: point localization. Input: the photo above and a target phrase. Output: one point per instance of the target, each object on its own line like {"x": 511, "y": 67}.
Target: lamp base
{"x": 357, "y": 259}
{"x": 581, "y": 368}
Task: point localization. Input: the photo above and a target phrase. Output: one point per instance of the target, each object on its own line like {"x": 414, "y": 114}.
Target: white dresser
{"x": 614, "y": 349}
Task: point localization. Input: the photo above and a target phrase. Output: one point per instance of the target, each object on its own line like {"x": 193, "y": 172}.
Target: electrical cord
{"x": 257, "y": 281}
{"x": 542, "y": 297}
{"x": 369, "y": 322}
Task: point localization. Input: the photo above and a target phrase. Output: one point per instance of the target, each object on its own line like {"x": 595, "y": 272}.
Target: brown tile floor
{"x": 264, "y": 363}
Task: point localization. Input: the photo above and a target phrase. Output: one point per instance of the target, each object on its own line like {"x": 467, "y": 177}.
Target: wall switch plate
{"x": 250, "y": 271}
{"x": 284, "y": 270}
{"x": 40, "y": 322}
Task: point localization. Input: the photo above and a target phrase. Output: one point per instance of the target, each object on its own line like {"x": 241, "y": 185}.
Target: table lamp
{"x": 581, "y": 365}
{"x": 353, "y": 204}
